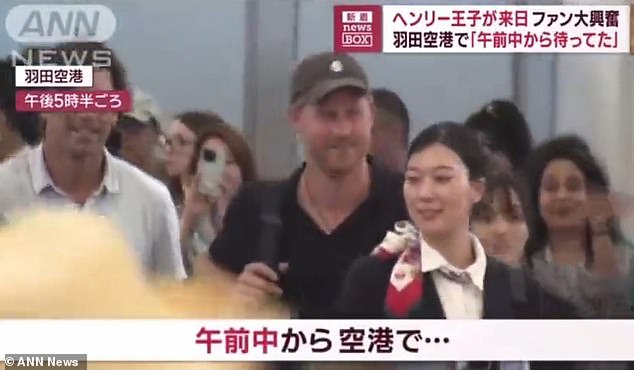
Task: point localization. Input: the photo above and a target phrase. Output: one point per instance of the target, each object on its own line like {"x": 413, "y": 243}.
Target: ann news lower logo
{"x": 357, "y": 28}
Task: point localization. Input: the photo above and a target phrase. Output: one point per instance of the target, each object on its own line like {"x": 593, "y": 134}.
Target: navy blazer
{"x": 363, "y": 297}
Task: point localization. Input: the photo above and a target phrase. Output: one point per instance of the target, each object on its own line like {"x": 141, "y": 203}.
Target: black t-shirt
{"x": 318, "y": 262}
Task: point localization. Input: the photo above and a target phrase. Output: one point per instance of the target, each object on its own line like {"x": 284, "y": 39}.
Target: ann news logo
{"x": 357, "y": 29}
{"x": 62, "y": 33}
{"x": 52, "y": 24}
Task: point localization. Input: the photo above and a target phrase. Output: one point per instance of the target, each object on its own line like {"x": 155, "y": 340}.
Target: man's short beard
{"x": 338, "y": 172}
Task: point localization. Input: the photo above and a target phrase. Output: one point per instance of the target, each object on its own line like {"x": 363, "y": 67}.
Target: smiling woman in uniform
{"x": 432, "y": 266}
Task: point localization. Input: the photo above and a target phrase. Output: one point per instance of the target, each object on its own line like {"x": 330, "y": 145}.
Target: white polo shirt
{"x": 139, "y": 204}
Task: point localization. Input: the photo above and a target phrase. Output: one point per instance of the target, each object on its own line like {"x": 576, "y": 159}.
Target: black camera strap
{"x": 269, "y": 244}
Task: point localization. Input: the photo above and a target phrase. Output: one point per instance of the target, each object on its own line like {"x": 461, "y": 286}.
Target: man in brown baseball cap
{"x": 336, "y": 207}
{"x": 320, "y": 74}
{"x": 332, "y": 112}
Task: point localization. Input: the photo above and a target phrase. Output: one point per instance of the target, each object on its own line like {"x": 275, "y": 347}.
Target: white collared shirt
{"x": 459, "y": 301}
{"x": 140, "y": 205}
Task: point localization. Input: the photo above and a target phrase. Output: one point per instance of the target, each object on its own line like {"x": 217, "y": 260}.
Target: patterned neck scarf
{"x": 406, "y": 281}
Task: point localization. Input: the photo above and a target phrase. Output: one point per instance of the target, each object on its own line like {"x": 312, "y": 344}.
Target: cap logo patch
{"x": 336, "y": 66}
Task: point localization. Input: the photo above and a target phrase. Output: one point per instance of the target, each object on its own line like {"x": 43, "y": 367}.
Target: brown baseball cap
{"x": 320, "y": 74}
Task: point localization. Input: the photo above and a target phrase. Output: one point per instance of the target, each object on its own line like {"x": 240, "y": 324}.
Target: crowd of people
{"x": 493, "y": 225}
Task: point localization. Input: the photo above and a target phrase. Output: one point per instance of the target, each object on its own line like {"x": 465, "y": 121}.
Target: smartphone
{"x": 211, "y": 165}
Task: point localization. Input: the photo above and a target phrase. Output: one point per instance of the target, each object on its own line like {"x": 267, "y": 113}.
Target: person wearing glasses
{"x": 221, "y": 163}
{"x": 180, "y": 141}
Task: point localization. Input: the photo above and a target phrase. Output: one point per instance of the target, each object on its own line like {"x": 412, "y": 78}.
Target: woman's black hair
{"x": 501, "y": 178}
{"x": 464, "y": 141}
{"x": 576, "y": 150}
{"x": 506, "y": 130}
{"x": 391, "y": 102}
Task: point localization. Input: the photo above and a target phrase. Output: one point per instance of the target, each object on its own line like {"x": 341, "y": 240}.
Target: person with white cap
{"x": 141, "y": 134}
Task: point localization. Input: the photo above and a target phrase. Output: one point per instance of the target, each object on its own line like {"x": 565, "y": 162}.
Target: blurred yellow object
{"x": 70, "y": 265}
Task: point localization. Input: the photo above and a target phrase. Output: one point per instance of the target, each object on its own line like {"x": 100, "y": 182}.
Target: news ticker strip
{"x": 45, "y": 361}
{"x": 324, "y": 340}
{"x": 483, "y": 29}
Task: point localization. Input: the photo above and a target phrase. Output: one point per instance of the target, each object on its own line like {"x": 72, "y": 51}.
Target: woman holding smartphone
{"x": 222, "y": 163}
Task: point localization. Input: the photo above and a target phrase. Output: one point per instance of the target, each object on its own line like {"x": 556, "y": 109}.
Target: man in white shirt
{"x": 72, "y": 168}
